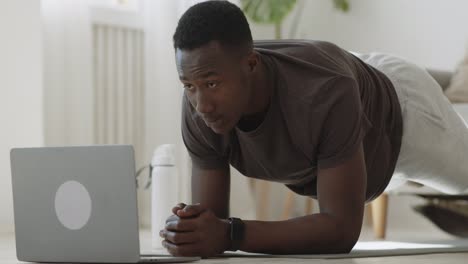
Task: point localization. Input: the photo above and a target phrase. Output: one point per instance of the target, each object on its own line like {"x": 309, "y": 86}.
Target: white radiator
{"x": 118, "y": 82}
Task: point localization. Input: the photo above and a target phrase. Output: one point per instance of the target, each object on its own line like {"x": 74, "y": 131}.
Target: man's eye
{"x": 188, "y": 86}
{"x": 211, "y": 84}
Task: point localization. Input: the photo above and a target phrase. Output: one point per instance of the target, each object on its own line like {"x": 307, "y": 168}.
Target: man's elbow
{"x": 346, "y": 247}
{"x": 345, "y": 239}
{"x": 347, "y": 242}
{"x": 341, "y": 247}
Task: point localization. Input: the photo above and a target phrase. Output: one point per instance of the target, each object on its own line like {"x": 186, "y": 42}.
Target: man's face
{"x": 216, "y": 83}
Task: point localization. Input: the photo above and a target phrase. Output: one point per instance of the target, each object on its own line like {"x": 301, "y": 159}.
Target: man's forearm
{"x": 211, "y": 187}
{"x": 317, "y": 233}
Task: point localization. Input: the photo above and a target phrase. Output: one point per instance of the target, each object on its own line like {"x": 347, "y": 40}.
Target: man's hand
{"x": 195, "y": 231}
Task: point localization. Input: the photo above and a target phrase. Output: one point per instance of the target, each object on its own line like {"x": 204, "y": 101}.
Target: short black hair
{"x": 212, "y": 20}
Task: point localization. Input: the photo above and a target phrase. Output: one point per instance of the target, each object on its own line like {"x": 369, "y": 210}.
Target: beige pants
{"x": 434, "y": 149}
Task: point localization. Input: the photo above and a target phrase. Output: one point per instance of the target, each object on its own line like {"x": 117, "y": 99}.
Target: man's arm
{"x": 341, "y": 196}
{"x": 211, "y": 188}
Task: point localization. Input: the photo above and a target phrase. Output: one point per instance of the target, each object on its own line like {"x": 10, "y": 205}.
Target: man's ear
{"x": 253, "y": 61}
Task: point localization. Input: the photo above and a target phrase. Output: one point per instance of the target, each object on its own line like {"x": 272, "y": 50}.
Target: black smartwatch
{"x": 236, "y": 233}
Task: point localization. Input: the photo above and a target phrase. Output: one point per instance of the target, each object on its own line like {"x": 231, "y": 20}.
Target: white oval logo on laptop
{"x": 73, "y": 205}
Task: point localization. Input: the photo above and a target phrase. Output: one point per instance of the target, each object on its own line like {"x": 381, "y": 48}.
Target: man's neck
{"x": 261, "y": 91}
{"x": 260, "y": 100}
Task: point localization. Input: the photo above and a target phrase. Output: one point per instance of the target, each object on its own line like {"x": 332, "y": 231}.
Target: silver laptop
{"x": 77, "y": 204}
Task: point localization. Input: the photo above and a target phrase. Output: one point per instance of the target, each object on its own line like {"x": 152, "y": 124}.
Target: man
{"x": 310, "y": 115}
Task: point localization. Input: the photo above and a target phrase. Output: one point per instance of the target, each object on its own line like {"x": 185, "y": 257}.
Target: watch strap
{"x": 236, "y": 233}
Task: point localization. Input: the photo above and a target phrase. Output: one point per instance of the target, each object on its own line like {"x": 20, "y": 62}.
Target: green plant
{"x": 342, "y": 5}
{"x": 268, "y": 12}
{"x": 275, "y": 11}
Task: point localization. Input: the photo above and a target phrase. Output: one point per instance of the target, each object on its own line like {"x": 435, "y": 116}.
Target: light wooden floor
{"x": 8, "y": 255}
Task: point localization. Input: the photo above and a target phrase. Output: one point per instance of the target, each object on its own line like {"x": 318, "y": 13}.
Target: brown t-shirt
{"x": 325, "y": 102}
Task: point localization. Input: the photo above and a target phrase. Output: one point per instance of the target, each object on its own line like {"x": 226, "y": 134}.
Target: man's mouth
{"x": 211, "y": 120}
{"x": 214, "y": 121}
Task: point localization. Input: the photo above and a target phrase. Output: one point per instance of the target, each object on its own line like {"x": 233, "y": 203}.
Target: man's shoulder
{"x": 308, "y": 58}
{"x": 299, "y": 48}
{"x": 305, "y": 68}
{"x": 292, "y": 43}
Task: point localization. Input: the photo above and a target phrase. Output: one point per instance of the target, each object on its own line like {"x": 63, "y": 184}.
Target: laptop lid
{"x": 75, "y": 204}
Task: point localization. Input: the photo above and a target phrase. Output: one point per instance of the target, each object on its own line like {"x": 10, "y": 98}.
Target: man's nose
{"x": 205, "y": 104}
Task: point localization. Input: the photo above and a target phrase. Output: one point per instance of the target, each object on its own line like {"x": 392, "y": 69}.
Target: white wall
{"x": 68, "y": 88}
{"x": 21, "y": 113}
{"x": 67, "y": 72}
{"x": 429, "y": 32}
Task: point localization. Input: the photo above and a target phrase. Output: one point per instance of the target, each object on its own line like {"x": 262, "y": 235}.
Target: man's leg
{"x": 434, "y": 149}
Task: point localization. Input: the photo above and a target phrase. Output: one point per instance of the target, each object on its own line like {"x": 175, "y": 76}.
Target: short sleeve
{"x": 205, "y": 147}
{"x": 345, "y": 124}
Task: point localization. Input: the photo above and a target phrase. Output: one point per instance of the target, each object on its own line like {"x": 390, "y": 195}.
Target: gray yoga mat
{"x": 377, "y": 249}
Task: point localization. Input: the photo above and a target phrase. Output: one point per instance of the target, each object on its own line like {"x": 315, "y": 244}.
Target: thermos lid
{"x": 164, "y": 155}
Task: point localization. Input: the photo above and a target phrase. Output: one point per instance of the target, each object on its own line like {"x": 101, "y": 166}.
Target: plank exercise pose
{"x": 329, "y": 124}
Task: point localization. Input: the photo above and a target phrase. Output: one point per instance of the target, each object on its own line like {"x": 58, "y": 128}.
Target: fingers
{"x": 191, "y": 210}
{"x": 179, "y": 238}
{"x": 203, "y": 235}
{"x": 172, "y": 218}
{"x": 184, "y": 250}
{"x": 181, "y": 225}
{"x": 178, "y": 207}
{"x": 182, "y": 210}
